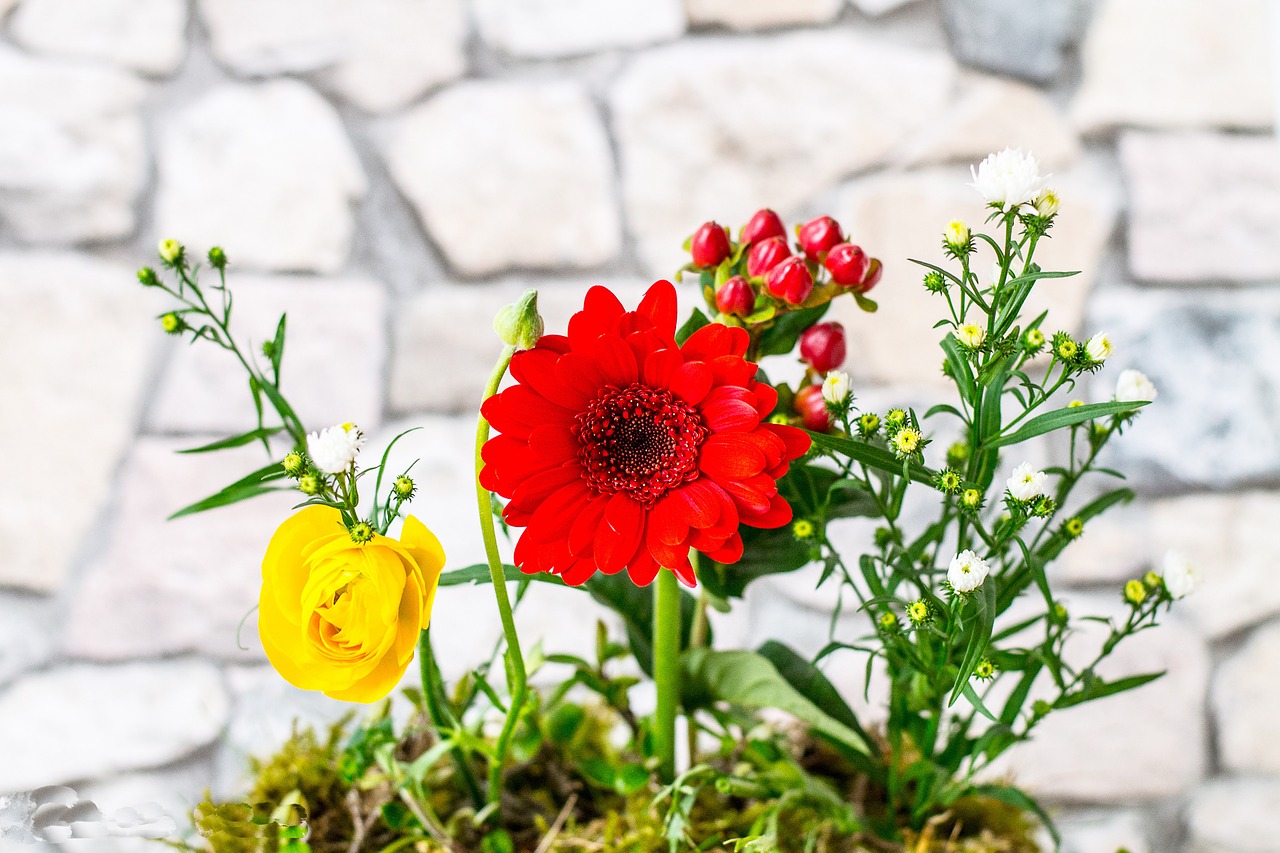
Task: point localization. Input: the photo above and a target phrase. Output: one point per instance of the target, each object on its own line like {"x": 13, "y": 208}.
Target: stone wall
{"x": 393, "y": 171}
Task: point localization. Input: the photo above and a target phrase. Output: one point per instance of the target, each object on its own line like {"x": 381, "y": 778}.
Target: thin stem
{"x": 517, "y": 679}
{"x": 666, "y": 669}
{"x": 432, "y": 687}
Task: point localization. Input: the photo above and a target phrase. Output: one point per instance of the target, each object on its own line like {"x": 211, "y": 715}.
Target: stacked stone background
{"x": 393, "y": 171}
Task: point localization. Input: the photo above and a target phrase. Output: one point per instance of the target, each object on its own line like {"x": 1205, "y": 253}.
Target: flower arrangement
{"x": 653, "y": 465}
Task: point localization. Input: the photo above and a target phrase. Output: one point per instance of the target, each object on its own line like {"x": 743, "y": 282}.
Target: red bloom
{"x": 621, "y": 449}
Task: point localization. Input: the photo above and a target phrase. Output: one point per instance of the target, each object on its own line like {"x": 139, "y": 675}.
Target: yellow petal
{"x": 283, "y": 566}
{"x": 285, "y": 643}
{"x": 374, "y": 686}
{"x": 425, "y": 548}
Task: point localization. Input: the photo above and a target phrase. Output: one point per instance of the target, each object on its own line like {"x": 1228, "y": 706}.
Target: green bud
{"x": 404, "y": 487}
{"x": 171, "y": 252}
{"x": 1040, "y": 708}
{"x": 802, "y": 528}
{"x": 217, "y": 258}
{"x": 148, "y": 277}
{"x": 361, "y": 532}
{"x": 958, "y": 454}
{"x": 171, "y": 323}
{"x": 310, "y": 483}
{"x": 1135, "y": 592}
{"x": 293, "y": 463}
{"x": 519, "y": 324}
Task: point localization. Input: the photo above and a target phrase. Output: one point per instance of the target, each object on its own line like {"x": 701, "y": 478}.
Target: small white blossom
{"x": 1027, "y": 483}
{"x": 334, "y": 450}
{"x": 1181, "y": 576}
{"x": 967, "y": 572}
{"x": 957, "y": 235}
{"x": 1047, "y": 203}
{"x": 971, "y": 335}
{"x": 835, "y": 388}
{"x": 1099, "y": 347}
{"x": 1008, "y": 178}
{"x": 1133, "y": 386}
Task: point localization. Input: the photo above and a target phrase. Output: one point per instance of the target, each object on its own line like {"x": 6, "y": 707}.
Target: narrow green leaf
{"x": 960, "y": 370}
{"x": 871, "y": 456}
{"x": 235, "y": 441}
{"x": 1016, "y": 797}
{"x": 251, "y": 485}
{"x": 277, "y": 349}
{"x": 1060, "y": 418}
{"x": 1099, "y": 689}
{"x": 979, "y": 636}
{"x": 811, "y": 683}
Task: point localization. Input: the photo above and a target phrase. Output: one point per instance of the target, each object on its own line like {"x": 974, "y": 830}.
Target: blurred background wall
{"x": 393, "y": 171}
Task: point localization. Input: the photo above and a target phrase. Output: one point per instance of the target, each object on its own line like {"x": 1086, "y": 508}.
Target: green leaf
{"x": 868, "y": 305}
{"x": 635, "y": 605}
{"x": 246, "y": 487}
{"x": 978, "y": 636}
{"x": 236, "y": 441}
{"x": 1065, "y": 417}
{"x": 1016, "y": 797}
{"x": 871, "y": 456}
{"x": 277, "y": 349}
{"x": 960, "y": 369}
{"x": 695, "y": 322}
{"x": 781, "y": 337}
{"x": 479, "y": 574}
{"x": 1099, "y": 689}
{"x": 765, "y": 552}
{"x": 750, "y": 680}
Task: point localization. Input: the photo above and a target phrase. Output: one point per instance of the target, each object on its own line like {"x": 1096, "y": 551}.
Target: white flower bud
{"x": 971, "y": 335}
{"x": 1133, "y": 386}
{"x": 1008, "y": 178}
{"x": 334, "y": 450}
{"x": 957, "y": 235}
{"x": 835, "y": 389}
{"x": 1047, "y": 203}
{"x": 967, "y": 572}
{"x": 1181, "y": 576}
{"x": 1027, "y": 483}
{"x": 1099, "y": 347}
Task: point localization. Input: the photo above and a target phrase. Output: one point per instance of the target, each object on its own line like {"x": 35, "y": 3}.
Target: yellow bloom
{"x": 342, "y": 617}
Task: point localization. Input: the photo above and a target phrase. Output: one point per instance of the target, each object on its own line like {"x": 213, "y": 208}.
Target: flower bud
{"x": 822, "y": 346}
{"x": 818, "y": 236}
{"x": 519, "y": 324}
{"x": 957, "y": 236}
{"x": 812, "y": 408}
{"x": 147, "y": 276}
{"x": 1047, "y": 203}
{"x": 217, "y": 258}
{"x": 709, "y": 246}
{"x": 765, "y": 255}
{"x": 736, "y": 297}
{"x": 1134, "y": 387}
{"x": 868, "y": 424}
{"x": 790, "y": 281}
{"x": 971, "y": 335}
{"x": 835, "y": 390}
{"x": 763, "y": 225}
{"x": 404, "y": 487}
{"x": 848, "y": 265}
{"x": 361, "y": 532}
{"x": 802, "y": 528}
{"x": 293, "y": 463}
{"x": 170, "y": 252}
{"x": 171, "y": 323}
{"x": 1135, "y": 592}
{"x": 1099, "y": 347}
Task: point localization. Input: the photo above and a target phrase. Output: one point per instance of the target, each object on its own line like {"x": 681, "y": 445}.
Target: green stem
{"x": 666, "y": 669}
{"x": 517, "y": 679}
{"x": 432, "y": 690}
{"x": 697, "y": 640}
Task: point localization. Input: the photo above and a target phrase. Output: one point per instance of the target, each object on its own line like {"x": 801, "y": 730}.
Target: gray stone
{"x": 550, "y": 28}
{"x": 381, "y": 54}
{"x": 1010, "y": 36}
{"x": 145, "y": 35}
{"x": 878, "y": 7}
{"x": 81, "y": 722}
{"x": 761, "y": 14}
{"x": 1203, "y": 206}
{"x": 1104, "y": 832}
{"x": 162, "y": 587}
{"x": 1215, "y": 359}
{"x": 1177, "y": 63}
{"x": 716, "y": 128}
{"x": 90, "y": 335}
{"x": 1140, "y": 745}
{"x": 896, "y": 215}
{"x": 26, "y": 635}
{"x": 1234, "y": 815}
{"x": 333, "y": 360}
{"x": 72, "y": 156}
{"x": 459, "y": 174}
{"x": 158, "y": 803}
{"x": 265, "y": 171}
{"x": 1244, "y": 697}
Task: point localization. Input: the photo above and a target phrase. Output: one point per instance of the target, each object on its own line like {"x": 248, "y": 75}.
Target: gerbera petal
{"x": 582, "y": 535}
{"x": 716, "y": 339}
{"x": 691, "y": 382}
{"x": 728, "y": 409}
{"x": 731, "y": 456}
{"x": 642, "y": 569}
{"x": 699, "y": 504}
{"x": 579, "y": 573}
{"x": 600, "y": 311}
{"x": 619, "y": 536}
{"x": 532, "y": 494}
{"x": 729, "y": 552}
{"x": 732, "y": 370}
{"x": 684, "y": 571}
{"x": 614, "y": 359}
{"x": 552, "y": 445}
{"x": 777, "y": 514}
{"x": 659, "y": 305}
{"x": 660, "y": 366}
{"x": 537, "y": 369}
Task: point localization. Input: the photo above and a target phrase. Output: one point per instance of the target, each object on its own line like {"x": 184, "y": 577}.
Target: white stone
{"x": 381, "y": 54}
{"x": 162, "y": 587}
{"x": 491, "y": 204}
{"x": 88, "y": 325}
{"x": 26, "y": 635}
{"x": 450, "y": 324}
{"x": 164, "y": 798}
{"x": 990, "y": 114}
{"x": 1141, "y": 745}
{"x": 264, "y": 170}
{"x": 878, "y": 7}
{"x": 1177, "y": 63}
{"x": 333, "y": 358}
{"x": 716, "y": 128}
{"x": 1104, "y": 832}
{"x": 1234, "y": 815}
{"x": 72, "y": 155}
{"x": 550, "y": 28}
{"x": 82, "y": 721}
{"x": 762, "y": 14}
{"x": 896, "y": 216}
{"x": 145, "y": 35}
{"x": 1202, "y": 206}
{"x": 1244, "y": 702}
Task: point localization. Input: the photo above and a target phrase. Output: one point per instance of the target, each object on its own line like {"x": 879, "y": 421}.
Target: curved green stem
{"x": 666, "y": 669}
{"x": 432, "y": 696}
{"x": 517, "y": 679}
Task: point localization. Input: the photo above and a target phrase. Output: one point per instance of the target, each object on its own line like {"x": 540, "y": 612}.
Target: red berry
{"x": 763, "y": 225}
{"x": 847, "y": 264}
{"x": 709, "y": 246}
{"x": 736, "y": 297}
{"x": 818, "y": 236}
{"x": 766, "y": 255}
{"x": 823, "y": 347}
{"x": 812, "y": 409}
{"x": 873, "y": 275}
{"x": 790, "y": 280}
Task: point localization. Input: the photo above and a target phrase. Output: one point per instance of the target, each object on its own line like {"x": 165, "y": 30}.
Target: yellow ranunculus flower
{"x": 340, "y": 617}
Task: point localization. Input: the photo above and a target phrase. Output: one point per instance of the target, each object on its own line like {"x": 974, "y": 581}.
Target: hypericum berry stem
{"x": 666, "y": 670}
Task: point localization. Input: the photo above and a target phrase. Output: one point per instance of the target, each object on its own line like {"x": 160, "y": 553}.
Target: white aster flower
{"x": 835, "y": 388}
{"x": 1181, "y": 576}
{"x": 971, "y": 335}
{"x": 967, "y": 572}
{"x": 1027, "y": 483}
{"x": 334, "y": 450}
{"x": 1132, "y": 386}
{"x": 1099, "y": 347}
{"x": 1047, "y": 203}
{"x": 1008, "y": 178}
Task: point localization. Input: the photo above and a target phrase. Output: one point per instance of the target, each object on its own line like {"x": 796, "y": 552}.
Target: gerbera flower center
{"x": 639, "y": 440}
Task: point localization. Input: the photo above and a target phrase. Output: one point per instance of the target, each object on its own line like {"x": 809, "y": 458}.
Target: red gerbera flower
{"x": 620, "y": 448}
